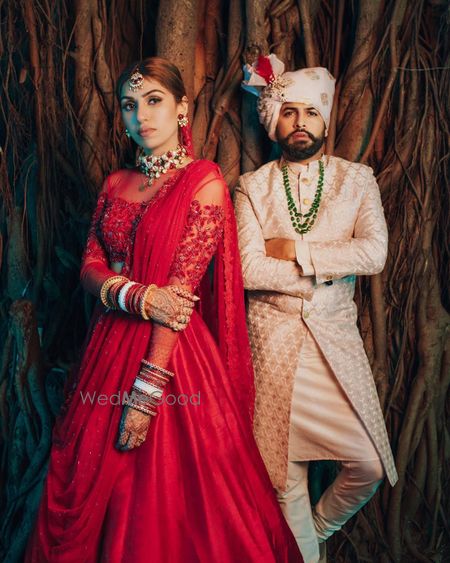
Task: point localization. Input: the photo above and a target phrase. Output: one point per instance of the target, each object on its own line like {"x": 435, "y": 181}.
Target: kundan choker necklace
{"x": 153, "y": 166}
{"x": 303, "y": 223}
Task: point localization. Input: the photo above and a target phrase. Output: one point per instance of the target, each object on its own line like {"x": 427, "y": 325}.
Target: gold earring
{"x": 182, "y": 120}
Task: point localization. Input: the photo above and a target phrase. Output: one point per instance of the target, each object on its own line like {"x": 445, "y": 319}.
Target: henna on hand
{"x": 133, "y": 429}
{"x": 171, "y": 306}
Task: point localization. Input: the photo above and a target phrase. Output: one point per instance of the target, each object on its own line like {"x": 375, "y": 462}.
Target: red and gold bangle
{"x": 122, "y": 295}
{"x": 147, "y": 292}
{"x": 141, "y": 408}
{"x": 133, "y": 298}
{"x": 142, "y": 401}
{"x": 157, "y": 368}
{"x": 153, "y": 375}
{"x": 152, "y": 380}
{"x": 144, "y": 368}
{"x": 138, "y": 299}
{"x": 107, "y": 284}
{"x": 128, "y": 297}
{"x": 114, "y": 292}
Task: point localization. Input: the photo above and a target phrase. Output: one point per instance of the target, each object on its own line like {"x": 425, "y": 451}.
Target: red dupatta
{"x": 156, "y": 240}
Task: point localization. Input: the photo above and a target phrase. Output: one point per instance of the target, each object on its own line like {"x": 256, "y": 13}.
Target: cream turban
{"x": 313, "y": 86}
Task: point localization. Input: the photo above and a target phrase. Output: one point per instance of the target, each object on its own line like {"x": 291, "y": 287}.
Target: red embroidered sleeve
{"x": 94, "y": 251}
{"x": 94, "y": 263}
{"x": 201, "y": 236}
{"x": 204, "y": 227}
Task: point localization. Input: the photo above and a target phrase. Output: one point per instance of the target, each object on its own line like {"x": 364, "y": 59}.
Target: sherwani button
{"x": 306, "y": 181}
{"x": 305, "y": 315}
{"x": 307, "y": 201}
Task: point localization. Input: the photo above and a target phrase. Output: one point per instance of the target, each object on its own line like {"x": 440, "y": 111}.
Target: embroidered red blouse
{"x": 113, "y": 226}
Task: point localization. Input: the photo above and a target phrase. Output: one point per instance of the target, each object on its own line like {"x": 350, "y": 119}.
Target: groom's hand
{"x": 281, "y": 248}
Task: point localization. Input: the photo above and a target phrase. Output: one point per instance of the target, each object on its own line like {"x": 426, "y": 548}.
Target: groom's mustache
{"x": 310, "y": 135}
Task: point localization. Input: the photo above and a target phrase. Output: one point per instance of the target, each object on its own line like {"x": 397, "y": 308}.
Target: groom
{"x": 308, "y": 224}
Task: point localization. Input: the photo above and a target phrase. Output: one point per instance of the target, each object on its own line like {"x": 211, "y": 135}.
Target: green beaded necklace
{"x": 303, "y": 223}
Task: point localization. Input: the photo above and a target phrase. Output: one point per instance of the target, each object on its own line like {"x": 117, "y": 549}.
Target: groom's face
{"x": 300, "y": 130}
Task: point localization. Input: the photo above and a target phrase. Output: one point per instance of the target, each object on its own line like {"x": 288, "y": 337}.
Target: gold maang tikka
{"x": 136, "y": 80}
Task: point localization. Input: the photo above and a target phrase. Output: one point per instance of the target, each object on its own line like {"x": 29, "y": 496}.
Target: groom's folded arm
{"x": 260, "y": 271}
{"x": 363, "y": 255}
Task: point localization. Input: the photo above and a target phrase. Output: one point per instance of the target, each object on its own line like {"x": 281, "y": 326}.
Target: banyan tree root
{"x": 26, "y": 428}
{"x": 63, "y": 135}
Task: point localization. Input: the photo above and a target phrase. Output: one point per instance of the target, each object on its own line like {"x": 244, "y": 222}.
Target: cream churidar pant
{"x": 325, "y": 426}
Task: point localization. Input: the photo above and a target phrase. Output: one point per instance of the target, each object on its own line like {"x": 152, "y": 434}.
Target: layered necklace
{"x": 303, "y": 222}
{"x": 154, "y": 166}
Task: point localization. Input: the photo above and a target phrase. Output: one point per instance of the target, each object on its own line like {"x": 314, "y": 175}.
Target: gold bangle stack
{"x": 106, "y": 286}
{"x": 150, "y": 289}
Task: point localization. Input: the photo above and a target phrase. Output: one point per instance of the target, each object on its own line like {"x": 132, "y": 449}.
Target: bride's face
{"x": 151, "y": 116}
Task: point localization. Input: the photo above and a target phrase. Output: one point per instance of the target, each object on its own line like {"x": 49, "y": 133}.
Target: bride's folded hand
{"x": 171, "y": 306}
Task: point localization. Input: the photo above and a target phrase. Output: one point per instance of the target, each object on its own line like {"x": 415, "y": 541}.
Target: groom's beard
{"x": 303, "y": 149}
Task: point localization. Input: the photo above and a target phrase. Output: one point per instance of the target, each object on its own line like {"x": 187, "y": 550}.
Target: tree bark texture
{"x": 61, "y": 134}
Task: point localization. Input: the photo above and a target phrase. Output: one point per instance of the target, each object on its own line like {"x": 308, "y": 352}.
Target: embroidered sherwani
{"x": 315, "y": 294}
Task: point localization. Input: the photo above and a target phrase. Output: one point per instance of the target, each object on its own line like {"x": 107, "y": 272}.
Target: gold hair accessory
{"x": 136, "y": 81}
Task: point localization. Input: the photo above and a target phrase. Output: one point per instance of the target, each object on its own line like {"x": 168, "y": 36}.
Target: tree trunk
{"x": 62, "y": 134}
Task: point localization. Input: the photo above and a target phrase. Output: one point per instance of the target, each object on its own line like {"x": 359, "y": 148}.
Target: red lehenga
{"x": 196, "y": 490}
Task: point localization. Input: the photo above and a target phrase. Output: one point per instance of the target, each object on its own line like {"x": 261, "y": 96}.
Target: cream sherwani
{"x": 349, "y": 238}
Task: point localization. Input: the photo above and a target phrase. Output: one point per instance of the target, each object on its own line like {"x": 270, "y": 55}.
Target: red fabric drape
{"x": 197, "y": 489}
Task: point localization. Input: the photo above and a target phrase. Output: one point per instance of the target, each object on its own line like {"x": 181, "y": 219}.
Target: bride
{"x": 134, "y": 476}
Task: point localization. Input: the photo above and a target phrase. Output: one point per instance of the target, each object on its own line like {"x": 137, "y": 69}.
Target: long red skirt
{"x": 195, "y": 491}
